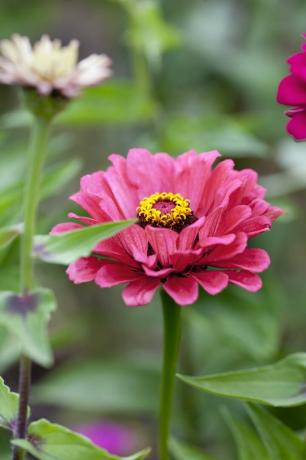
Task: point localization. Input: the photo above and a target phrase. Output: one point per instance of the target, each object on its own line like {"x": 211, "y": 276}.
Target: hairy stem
{"x": 172, "y": 334}
{"x": 31, "y": 201}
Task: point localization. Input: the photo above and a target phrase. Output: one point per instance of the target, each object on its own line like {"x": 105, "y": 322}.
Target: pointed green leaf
{"x": 281, "y": 442}
{"x": 182, "y": 451}
{"x": 280, "y": 385}
{"x": 8, "y": 406}
{"x": 249, "y": 445}
{"x": 27, "y": 318}
{"x": 65, "y": 248}
{"x": 48, "y": 441}
{"x": 8, "y": 235}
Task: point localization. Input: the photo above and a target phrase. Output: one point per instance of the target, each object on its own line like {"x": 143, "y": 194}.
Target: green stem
{"x": 172, "y": 334}
{"x": 31, "y": 201}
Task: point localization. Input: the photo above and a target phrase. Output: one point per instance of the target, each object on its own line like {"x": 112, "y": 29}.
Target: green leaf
{"x": 122, "y": 387}
{"x": 9, "y": 234}
{"x": 182, "y": 451}
{"x": 51, "y": 441}
{"x": 65, "y": 248}
{"x": 8, "y": 406}
{"x": 10, "y": 349}
{"x": 248, "y": 443}
{"x": 280, "y": 385}
{"x": 27, "y": 318}
{"x": 281, "y": 442}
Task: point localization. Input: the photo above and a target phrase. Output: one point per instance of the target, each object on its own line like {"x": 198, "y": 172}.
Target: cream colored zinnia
{"x": 50, "y": 67}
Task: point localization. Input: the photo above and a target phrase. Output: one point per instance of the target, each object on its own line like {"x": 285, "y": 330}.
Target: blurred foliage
{"x": 197, "y": 74}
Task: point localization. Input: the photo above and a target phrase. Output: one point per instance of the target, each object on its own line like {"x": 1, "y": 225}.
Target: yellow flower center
{"x": 164, "y": 209}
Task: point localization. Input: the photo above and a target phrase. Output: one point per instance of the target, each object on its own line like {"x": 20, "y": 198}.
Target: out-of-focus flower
{"x": 292, "y": 92}
{"x": 113, "y": 437}
{"x": 50, "y": 67}
{"x": 194, "y": 223}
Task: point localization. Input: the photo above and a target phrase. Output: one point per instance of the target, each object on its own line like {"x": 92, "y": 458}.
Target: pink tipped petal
{"x": 84, "y": 269}
{"x": 217, "y": 240}
{"x": 189, "y": 234}
{"x": 297, "y": 64}
{"x": 234, "y": 217}
{"x": 255, "y": 225}
{"x": 140, "y": 292}
{"x": 223, "y": 253}
{"x": 163, "y": 242}
{"x": 143, "y": 172}
{"x": 211, "y": 224}
{"x": 84, "y": 220}
{"x": 135, "y": 242}
{"x": 252, "y": 259}
{"x": 297, "y": 125}
{"x": 67, "y": 227}
{"x": 184, "y": 291}
{"x": 292, "y": 91}
{"x": 182, "y": 259}
{"x": 213, "y": 282}
{"x": 246, "y": 280}
{"x": 112, "y": 274}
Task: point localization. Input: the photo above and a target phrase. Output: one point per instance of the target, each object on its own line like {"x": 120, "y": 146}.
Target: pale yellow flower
{"x": 50, "y": 67}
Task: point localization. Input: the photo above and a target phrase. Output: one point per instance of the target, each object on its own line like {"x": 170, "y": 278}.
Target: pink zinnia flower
{"x": 194, "y": 223}
{"x": 292, "y": 92}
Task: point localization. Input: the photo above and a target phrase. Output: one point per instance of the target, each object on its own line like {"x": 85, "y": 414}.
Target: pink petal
{"x": 163, "y": 242}
{"x": 211, "y": 281}
{"x": 66, "y": 227}
{"x": 189, "y": 234}
{"x": 184, "y": 291}
{"x": 252, "y": 259}
{"x": 211, "y": 224}
{"x": 134, "y": 240}
{"x": 222, "y": 253}
{"x": 140, "y": 292}
{"x": 249, "y": 281}
{"x": 84, "y": 269}
{"x": 217, "y": 240}
{"x": 255, "y": 225}
{"x": 193, "y": 171}
{"x": 84, "y": 220}
{"x": 297, "y": 125}
{"x": 113, "y": 273}
{"x": 143, "y": 172}
{"x": 182, "y": 259}
{"x": 297, "y": 64}
{"x": 123, "y": 190}
{"x": 233, "y": 217}
{"x": 291, "y": 91}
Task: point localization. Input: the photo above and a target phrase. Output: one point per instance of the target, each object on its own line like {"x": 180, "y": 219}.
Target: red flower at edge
{"x": 292, "y": 92}
{"x": 194, "y": 223}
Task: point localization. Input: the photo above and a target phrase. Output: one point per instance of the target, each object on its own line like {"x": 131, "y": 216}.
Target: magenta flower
{"x": 292, "y": 92}
{"x": 114, "y": 438}
{"x": 194, "y": 223}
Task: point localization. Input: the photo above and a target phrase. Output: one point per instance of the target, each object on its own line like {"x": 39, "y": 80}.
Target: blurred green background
{"x": 199, "y": 74}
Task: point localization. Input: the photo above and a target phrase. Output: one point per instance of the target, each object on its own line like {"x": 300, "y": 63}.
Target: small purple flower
{"x": 113, "y": 437}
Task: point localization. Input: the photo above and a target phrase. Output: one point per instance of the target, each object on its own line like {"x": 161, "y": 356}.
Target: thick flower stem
{"x": 31, "y": 201}
{"x": 172, "y": 334}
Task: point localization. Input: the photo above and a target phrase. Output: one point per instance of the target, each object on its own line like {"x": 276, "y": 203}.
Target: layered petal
{"x": 84, "y": 269}
{"x": 183, "y": 290}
